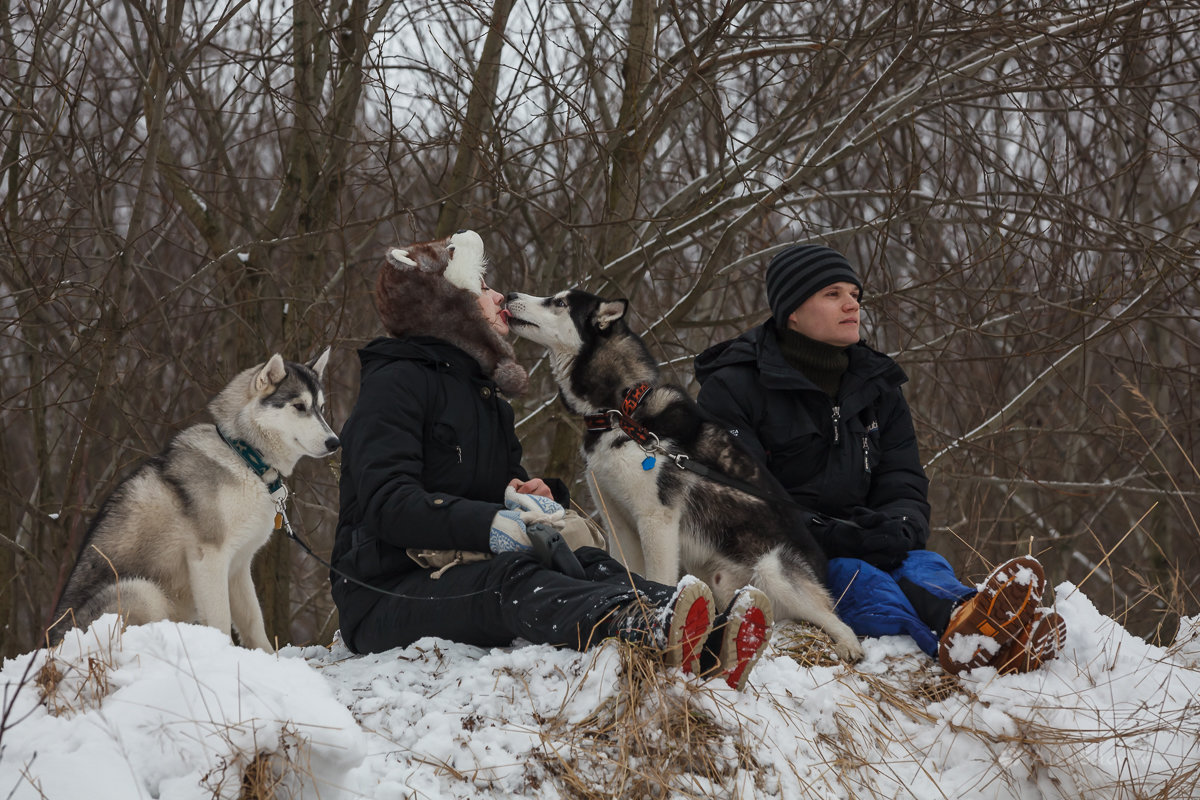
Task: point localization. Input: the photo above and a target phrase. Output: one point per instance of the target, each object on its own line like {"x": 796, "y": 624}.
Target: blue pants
{"x": 914, "y": 599}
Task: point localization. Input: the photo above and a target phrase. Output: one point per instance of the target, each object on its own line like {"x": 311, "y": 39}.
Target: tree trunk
{"x": 475, "y": 125}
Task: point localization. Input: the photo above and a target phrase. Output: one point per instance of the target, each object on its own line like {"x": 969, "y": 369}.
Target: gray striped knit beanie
{"x": 801, "y": 271}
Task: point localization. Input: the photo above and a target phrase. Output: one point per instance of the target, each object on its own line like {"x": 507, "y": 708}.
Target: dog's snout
{"x": 508, "y": 298}
{"x": 332, "y": 443}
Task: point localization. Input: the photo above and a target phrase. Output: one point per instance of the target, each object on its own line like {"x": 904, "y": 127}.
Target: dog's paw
{"x": 850, "y": 651}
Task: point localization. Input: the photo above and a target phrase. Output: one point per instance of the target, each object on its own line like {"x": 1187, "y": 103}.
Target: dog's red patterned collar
{"x": 623, "y": 417}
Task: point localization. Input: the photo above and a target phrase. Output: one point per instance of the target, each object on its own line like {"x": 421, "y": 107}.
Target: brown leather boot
{"x": 1047, "y": 635}
{"x": 1003, "y": 609}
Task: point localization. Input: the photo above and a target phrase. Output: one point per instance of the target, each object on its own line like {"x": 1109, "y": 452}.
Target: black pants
{"x": 491, "y": 603}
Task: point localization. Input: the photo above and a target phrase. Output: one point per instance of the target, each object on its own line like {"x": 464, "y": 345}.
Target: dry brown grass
{"x": 70, "y": 686}
{"x": 267, "y": 775}
{"x": 807, "y": 645}
{"x": 650, "y": 739}
{"x": 67, "y": 687}
{"x": 655, "y": 737}
{"x": 872, "y": 732}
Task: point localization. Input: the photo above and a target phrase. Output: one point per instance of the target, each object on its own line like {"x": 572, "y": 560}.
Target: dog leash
{"x": 254, "y": 459}
{"x": 645, "y": 438}
{"x": 548, "y": 546}
{"x": 284, "y": 524}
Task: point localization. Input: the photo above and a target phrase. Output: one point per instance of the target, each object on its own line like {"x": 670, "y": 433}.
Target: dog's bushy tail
{"x": 137, "y": 600}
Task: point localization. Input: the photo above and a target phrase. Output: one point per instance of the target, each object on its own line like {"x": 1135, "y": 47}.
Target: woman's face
{"x": 491, "y": 304}
{"x": 829, "y": 316}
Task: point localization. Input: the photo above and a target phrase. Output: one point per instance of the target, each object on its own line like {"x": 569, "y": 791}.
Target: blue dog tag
{"x": 648, "y": 463}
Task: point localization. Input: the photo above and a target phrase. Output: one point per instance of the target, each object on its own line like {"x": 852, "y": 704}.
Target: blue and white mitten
{"x": 534, "y": 508}
{"x": 508, "y": 533}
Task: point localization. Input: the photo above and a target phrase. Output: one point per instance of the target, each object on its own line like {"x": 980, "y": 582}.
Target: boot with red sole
{"x": 678, "y": 627}
{"x": 741, "y": 633}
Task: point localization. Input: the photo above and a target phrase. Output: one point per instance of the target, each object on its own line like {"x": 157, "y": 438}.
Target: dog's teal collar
{"x": 254, "y": 459}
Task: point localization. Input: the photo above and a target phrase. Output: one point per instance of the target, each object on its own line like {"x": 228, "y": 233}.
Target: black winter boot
{"x": 740, "y": 634}
{"x": 677, "y": 627}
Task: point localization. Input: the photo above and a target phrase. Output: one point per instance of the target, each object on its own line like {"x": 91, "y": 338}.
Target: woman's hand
{"x": 532, "y": 486}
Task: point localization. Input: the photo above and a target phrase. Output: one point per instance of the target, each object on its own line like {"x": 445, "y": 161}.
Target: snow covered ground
{"x": 177, "y": 711}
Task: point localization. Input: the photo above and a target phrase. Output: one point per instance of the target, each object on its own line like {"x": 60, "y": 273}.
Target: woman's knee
{"x": 842, "y": 573}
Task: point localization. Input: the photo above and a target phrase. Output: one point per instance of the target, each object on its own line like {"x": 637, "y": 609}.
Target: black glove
{"x": 552, "y": 550}
{"x": 871, "y": 536}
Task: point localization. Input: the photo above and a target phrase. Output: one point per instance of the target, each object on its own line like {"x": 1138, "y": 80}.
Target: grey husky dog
{"x": 176, "y": 537}
{"x": 676, "y": 488}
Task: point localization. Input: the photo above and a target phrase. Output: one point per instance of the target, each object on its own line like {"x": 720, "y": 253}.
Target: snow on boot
{"x": 1003, "y": 609}
{"x": 744, "y": 630}
{"x": 678, "y": 627}
{"x": 1047, "y": 635}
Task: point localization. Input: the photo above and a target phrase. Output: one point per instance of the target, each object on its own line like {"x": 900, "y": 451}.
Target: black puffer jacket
{"x": 832, "y": 456}
{"x": 426, "y": 456}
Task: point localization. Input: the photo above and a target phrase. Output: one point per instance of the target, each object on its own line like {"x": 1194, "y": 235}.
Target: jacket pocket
{"x": 797, "y": 453}
{"x": 362, "y": 560}
{"x": 444, "y": 450}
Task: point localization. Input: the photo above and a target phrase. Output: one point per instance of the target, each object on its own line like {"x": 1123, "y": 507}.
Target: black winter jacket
{"x": 832, "y": 456}
{"x": 426, "y": 455}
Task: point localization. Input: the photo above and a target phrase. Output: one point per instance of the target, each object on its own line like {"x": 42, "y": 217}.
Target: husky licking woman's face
{"x": 491, "y": 305}
{"x": 437, "y": 289}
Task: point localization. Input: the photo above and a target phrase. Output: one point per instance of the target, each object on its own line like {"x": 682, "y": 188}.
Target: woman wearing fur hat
{"x": 826, "y": 413}
{"x": 434, "y": 530}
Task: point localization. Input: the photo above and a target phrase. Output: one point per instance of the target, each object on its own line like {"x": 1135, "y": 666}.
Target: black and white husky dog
{"x": 678, "y": 491}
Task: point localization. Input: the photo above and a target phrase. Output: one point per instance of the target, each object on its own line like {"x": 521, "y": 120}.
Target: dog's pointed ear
{"x": 270, "y": 376}
{"x": 398, "y": 257}
{"x": 319, "y": 363}
{"x": 609, "y": 312}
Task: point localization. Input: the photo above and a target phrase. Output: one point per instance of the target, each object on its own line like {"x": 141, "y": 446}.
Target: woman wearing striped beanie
{"x": 826, "y": 414}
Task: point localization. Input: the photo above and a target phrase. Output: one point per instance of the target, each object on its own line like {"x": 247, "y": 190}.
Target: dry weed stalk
{"x": 806, "y": 644}
{"x": 260, "y": 779}
{"x": 90, "y": 688}
{"x": 267, "y": 775}
{"x": 1172, "y": 592}
{"x": 650, "y": 739}
{"x": 872, "y": 736}
{"x": 70, "y": 686}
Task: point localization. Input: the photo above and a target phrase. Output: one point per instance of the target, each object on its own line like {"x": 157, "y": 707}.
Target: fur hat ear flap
{"x": 319, "y": 363}
{"x": 510, "y": 377}
{"x": 398, "y": 258}
{"x": 270, "y": 376}
{"x": 609, "y": 312}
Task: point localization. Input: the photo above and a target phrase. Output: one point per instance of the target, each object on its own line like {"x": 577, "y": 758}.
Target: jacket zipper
{"x": 458, "y": 449}
{"x": 837, "y": 420}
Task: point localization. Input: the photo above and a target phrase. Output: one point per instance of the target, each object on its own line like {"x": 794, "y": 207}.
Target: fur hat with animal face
{"x": 432, "y": 289}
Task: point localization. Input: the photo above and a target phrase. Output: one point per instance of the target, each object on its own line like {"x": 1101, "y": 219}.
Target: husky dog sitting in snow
{"x": 677, "y": 489}
{"x": 175, "y": 539}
